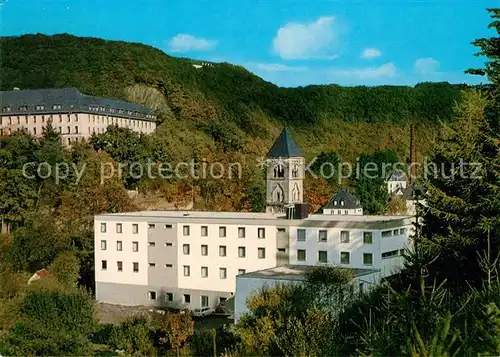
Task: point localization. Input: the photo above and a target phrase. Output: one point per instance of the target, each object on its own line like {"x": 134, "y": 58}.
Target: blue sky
{"x": 287, "y": 42}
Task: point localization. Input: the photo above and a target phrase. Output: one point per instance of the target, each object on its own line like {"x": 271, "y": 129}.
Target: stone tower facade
{"x": 285, "y": 174}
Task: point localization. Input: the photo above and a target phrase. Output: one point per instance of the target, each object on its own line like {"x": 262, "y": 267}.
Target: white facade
{"x": 343, "y": 211}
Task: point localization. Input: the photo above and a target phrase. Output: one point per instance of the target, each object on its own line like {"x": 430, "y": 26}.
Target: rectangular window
{"x": 118, "y": 228}
{"x": 135, "y": 228}
{"x": 69, "y": 130}
{"x": 169, "y": 297}
{"x": 344, "y": 237}
{"x": 185, "y": 230}
{"x": 187, "y": 298}
{"x": 34, "y": 131}
{"x": 242, "y": 252}
{"x": 386, "y": 234}
{"x": 152, "y": 265}
{"x": 135, "y": 246}
{"x": 168, "y": 244}
{"x": 76, "y": 130}
{"x": 223, "y": 273}
{"x": 322, "y": 256}
{"x": 168, "y": 226}
{"x": 104, "y": 264}
{"x": 401, "y": 252}
{"x": 322, "y": 235}
{"x": 204, "y": 301}
{"x": 261, "y": 253}
{"x": 103, "y": 227}
{"x": 136, "y": 267}
{"x": 367, "y": 258}
{"x": 261, "y": 233}
{"x": 392, "y": 253}
{"x": 119, "y": 266}
{"x": 152, "y": 295}
{"x": 119, "y": 246}
{"x": 222, "y": 250}
{"x": 396, "y": 232}
{"x": 103, "y": 245}
{"x": 367, "y": 237}
{"x": 402, "y": 231}
{"x": 241, "y": 232}
{"x": 301, "y": 235}
{"x": 185, "y": 249}
{"x": 345, "y": 257}
{"x": 187, "y": 270}
{"x": 168, "y": 265}
{"x": 151, "y": 226}
{"x": 204, "y": 231}
{"x": 204, "y": 250}
{"x": 204, "y": 272}
{"x": 222, "y": 231}
{"x": 282, "y": 230}
{"x": 151, "y": 244}
{"x": 301, "y": 255}
{"x": 241, "y": 271}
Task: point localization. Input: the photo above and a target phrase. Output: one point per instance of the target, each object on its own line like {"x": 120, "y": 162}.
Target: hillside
{"x": 225, "y": 106}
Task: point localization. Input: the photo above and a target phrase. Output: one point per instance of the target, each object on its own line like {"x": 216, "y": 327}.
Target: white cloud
{"x": 277, "y": 67}
{"x": 306, "y": 41}
{"x": 426, "y": 65}
{"x": 387, "y": 70}
{"x": 370, "y": 53}
{"x": 186, "y": 43}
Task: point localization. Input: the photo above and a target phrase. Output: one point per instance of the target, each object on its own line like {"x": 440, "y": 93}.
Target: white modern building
{"x": 190, "y": 259}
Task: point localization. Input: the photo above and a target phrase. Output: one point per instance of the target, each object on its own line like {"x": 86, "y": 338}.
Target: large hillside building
{"x": 75, "y": 115}
{"x": 190, "y": 259}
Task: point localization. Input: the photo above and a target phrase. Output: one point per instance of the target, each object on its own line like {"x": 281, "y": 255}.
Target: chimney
{"x": 413, "y": 155}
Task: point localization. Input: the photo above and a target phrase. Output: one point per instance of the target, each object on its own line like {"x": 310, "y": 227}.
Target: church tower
{"x": 285, "y": 174}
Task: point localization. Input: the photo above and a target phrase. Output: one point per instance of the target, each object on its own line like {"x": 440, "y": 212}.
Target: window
{"x": 152, "y": 295}
{"x": 241, "y": 271}
{"x": 136, "y": 267}
{"x": 261, "y": 233}
{"x": 301, "y": 235}
{"x": 282, "y": 230}
{"x": 69, "y": 130}
{"x": 185, "y": 230}
{"x": 187, "y": 298}
{"x": 168, "y": 265}
{"x": 261, "y": 253}
{"x": 34, "y": 131}
{"x": 135, "y": 228}
{"x": 322, "y": 235}
{"x": 118, "y": 228}
{"x": 104, "y": 264}
{"x": 301, "y": 255}
{"x": 103, "y": 227}
{"x": 367, "y": 237}
{"x": 135, "y": 246}
{"x": 187, "y": 270}
{"x": 151, "y": 226}
{"x": 204, "y": 231}
{"x": 392, "y": 253}
{"x": 386, "y": 234}
{"x": 103, "y": 245}
{"x": 222, "y": 231}
{"x": 345, "y": 257}
{"x": 367, "y": 258}
{"x": 402, "y": 231}
{"x": 344, "y": 237}
{"x": 119, "y": 245}
{"x": 168, "y": 226}
{"x": 204, "y": 301}
{"x": 242, "y": 252}
{"x": 119, "y": 266}
{"x": 204, "y": 272}
{"x": 151, "y": 244}
{"x": 223, "y": 273}
{"x": 185, "y": 249}
{"x": 222, "y": 250}
{"x": 152, "y": 265}
{"x": 204, "y": 250}
{"x": 401, "y": 252}
{"x": 281, "y": 250}
{"x": 168, "y": 244}
{"x": 361, "y": 288}
{"x": 322, "y": 256}
{"x": 396, "y": 232}
{"x": 169, "y": 297}
{"x": 241, "y": 232}
{"x": 76, "y": 130}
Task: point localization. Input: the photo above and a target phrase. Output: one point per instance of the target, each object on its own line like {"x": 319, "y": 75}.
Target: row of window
{"x": 242, "y": 251}
{"x": 119, "y": 245}
{"x": 345, "y": 257}
{"x": 121, "y": 121}
{"x": 345, "y": 235}
{"x": 11, "y": 120}
{"x": 186, "y": 298}
{"x": 394, "y": 232}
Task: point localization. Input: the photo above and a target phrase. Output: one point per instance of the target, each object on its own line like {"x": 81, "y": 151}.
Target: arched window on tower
{"x": 279, "y": 171}
{"x": 295, "y": 171}
{"x": 278, "y": 194}
{"x": 296, "y": 193}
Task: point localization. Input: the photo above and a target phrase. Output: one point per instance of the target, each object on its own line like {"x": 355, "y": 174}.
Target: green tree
{"x": 66, "y": 268}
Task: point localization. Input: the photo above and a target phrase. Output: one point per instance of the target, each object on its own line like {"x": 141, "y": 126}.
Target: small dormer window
{"x": 334, "y": 203}
{"x": 341, "y": 203}
{"x": 23, "y": 108}
{"x": 6, "y": 109}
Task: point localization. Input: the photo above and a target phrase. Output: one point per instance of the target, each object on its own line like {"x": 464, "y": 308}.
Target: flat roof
{"x": 296, "y": 272}
{"x": 189, "y": 215}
